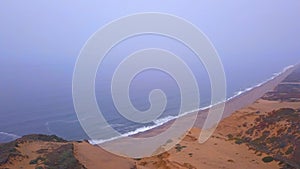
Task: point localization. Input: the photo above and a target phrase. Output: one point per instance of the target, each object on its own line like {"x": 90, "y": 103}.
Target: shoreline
{"x": 236, "y": 102}
{"x": 246, "y": 138}
{"x": 232, "y": 104}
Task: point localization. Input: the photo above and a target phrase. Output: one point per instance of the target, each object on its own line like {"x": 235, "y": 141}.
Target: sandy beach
{"x": 218, "y": 151}
{"x": 259, "y": 129}
{"x": 147, "y": 148}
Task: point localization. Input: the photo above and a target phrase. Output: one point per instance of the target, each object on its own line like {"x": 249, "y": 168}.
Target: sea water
{"x": 36, "y": 93}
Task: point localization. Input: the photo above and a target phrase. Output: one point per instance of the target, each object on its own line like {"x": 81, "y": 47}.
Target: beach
{"x": 245, "y": 137}
{"x": 220, "y": 151}
{"x": 241, "y": 100}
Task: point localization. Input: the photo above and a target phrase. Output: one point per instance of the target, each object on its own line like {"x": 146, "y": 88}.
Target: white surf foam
{"x": 162, "y": 121}
{"x": 9, "y": 135}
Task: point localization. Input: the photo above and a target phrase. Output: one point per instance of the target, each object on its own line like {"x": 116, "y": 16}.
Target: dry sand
{"x": 218, "y": 152}
{"x": 95, "y": 157}
{"x": 125, "y": 147}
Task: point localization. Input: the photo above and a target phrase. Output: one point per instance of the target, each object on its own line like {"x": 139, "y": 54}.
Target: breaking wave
{"x": 162, "y": 121}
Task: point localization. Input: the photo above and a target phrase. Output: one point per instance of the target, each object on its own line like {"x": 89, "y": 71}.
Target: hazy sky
{"x": 254, "y": 31}
{"x": 46, "y": 36}
{"x": 40, "y": 42}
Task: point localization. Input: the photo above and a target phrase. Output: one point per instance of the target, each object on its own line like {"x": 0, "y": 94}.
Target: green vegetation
{"x": 36, "y": 161}
{"x": 7, "y": 151}
{"x": 239, "y": 141}
{"x": 230, "y": 136}
{"x": 62, "y": 158}
{"x": 41, "y": 137}
{"x": 178, "y": 147}
{"x": 268, "y": 159}
{"x": 275, "y": 133}
{"x": 289, "y": 151}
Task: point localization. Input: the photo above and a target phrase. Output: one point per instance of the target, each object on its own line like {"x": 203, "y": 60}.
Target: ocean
{"x": 27, "y": 108}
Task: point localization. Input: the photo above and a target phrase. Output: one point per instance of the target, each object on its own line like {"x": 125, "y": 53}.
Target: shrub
{"x": 178, "y": 147}
{"x": 289, "y": 151}
{"x": 8, "y": 150}
{"x": 231, "y": 161}
{"x": 230, "y": 136}
{"x": 62, "y": 158}
{"x": 35, "y": 161}
{"x": 268, "y": 159}
{"x": 41, "y": 137}
{"x": 239, "y": 141}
